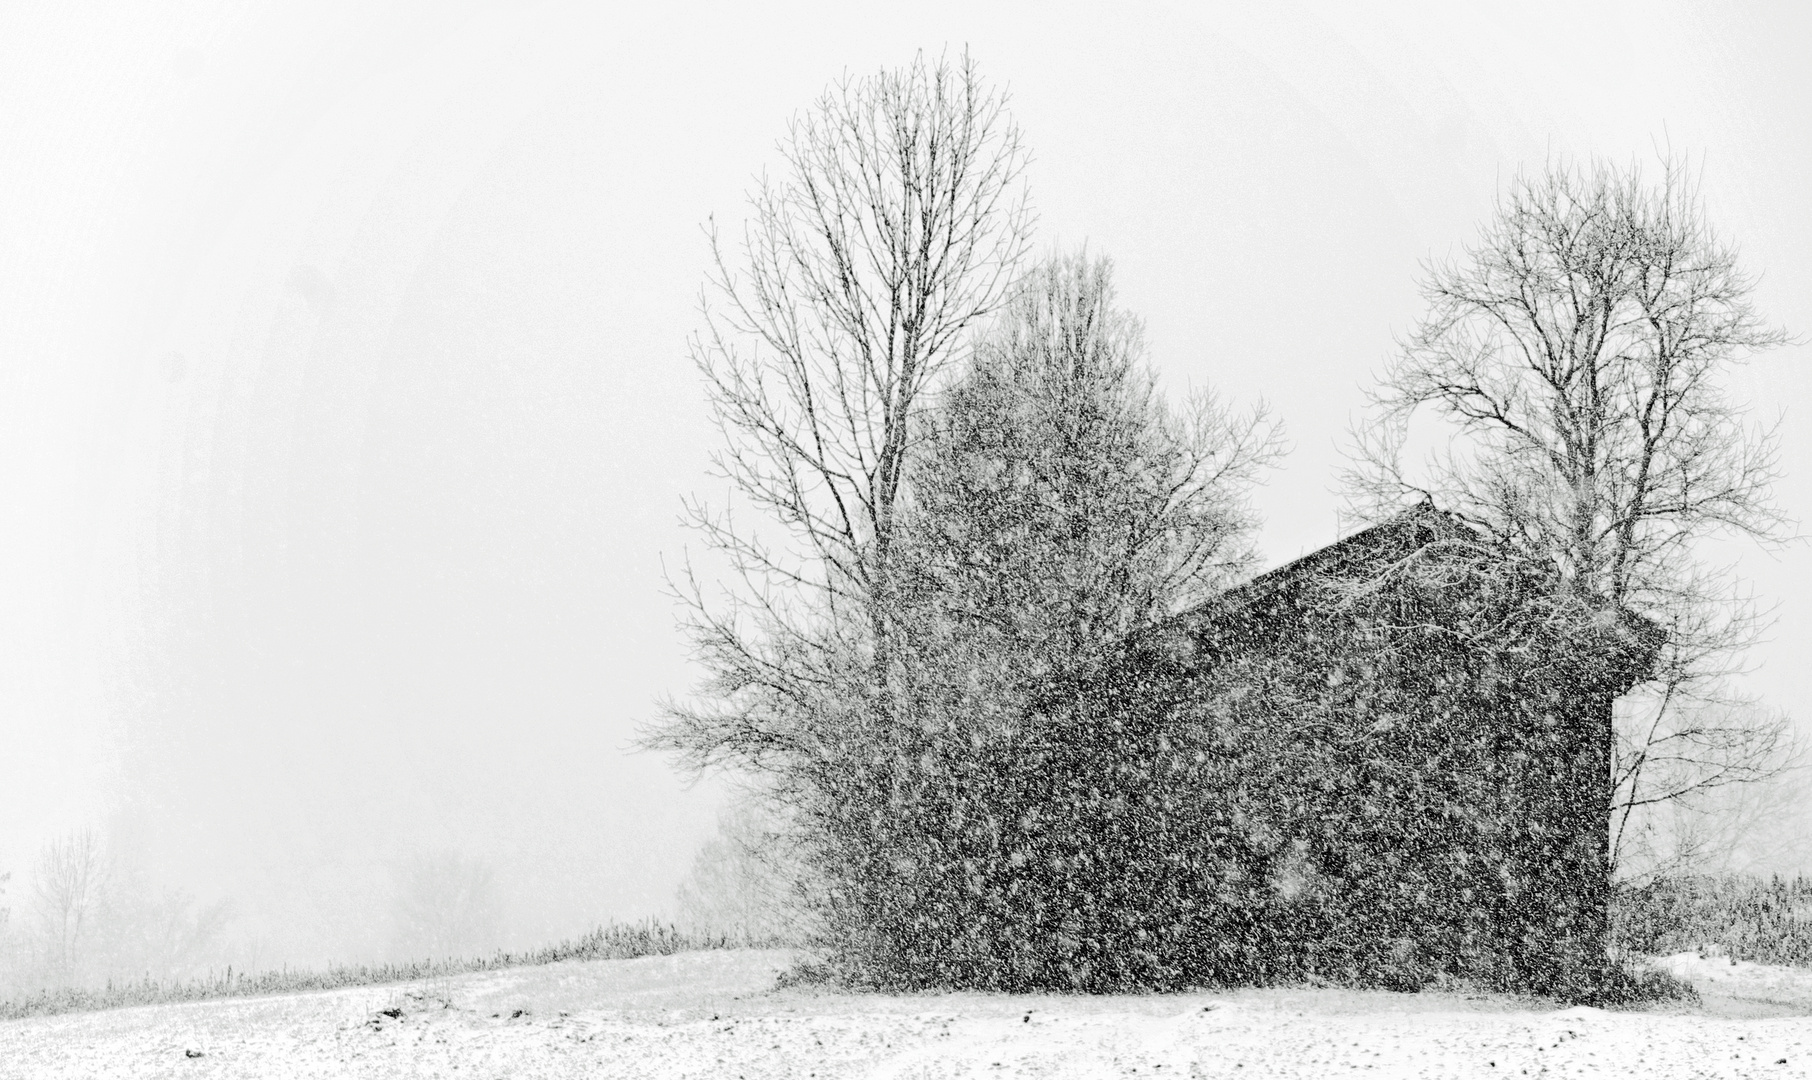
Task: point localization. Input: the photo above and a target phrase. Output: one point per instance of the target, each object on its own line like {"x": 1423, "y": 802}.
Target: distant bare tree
{"x": 8, "y": 947}
{"x": 746, "y": 883}
{"x": 166, "y": 933}
{"x": 70, "y": 875}
{"x": 446, "y": 905}
{"x": 1735, "y": 828}
{"x": 1577, "y": 355}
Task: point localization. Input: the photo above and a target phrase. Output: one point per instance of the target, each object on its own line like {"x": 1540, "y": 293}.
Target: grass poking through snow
{"x": 615, "y": 941}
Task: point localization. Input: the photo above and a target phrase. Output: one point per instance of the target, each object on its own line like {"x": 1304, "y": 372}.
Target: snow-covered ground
{"x": 1740, "y": 988}
{"x": 716, "y": 1014}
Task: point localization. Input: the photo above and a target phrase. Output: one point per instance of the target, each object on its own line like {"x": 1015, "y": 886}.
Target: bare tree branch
{"x": 892, "y": 230}
{"x": 1576, "y": 355}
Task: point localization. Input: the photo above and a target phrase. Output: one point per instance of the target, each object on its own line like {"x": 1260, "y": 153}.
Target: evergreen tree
{"x": 1059, "y": 503}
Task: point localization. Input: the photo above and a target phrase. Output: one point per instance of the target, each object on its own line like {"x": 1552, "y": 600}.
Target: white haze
{"x": 345, "y": 415}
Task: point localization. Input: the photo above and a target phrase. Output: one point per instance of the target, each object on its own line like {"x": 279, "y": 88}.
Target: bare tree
{"x": 446, "y": 906}
{"x": 897, "y": 227}
{"x": 8, "y": 946}
{"x": 147, "y": 930}
{"x": 70, "y": 876}
{"x": 176, "y": 936}
{"x": 1731, "y": 829}
{"x": 1576, "y": 355}
{"x": 745, "y": 884}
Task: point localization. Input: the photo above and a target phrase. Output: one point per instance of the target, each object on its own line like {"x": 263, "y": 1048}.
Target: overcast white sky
{"x": 345, "y": 416}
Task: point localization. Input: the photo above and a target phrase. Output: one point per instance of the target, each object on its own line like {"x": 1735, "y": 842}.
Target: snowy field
{"x": 716, "y": 1014}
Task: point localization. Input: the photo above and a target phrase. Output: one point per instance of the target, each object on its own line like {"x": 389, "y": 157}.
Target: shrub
{"x": 1744, "y": 917}
{"x": 1627, "y": 984}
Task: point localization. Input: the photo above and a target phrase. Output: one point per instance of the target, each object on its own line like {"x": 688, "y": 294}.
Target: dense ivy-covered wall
{"x": 1383, "y": 769}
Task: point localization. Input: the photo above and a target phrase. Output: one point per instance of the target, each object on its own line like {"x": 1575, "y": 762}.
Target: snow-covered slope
{"x": 716, "y": 1015}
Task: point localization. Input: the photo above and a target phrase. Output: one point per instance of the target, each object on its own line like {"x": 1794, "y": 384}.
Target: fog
{"x": 345, "y": 413}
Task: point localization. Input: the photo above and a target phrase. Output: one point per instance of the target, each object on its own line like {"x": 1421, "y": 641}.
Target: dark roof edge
{"x": 1230, "y": 601}
{"x": 1423, "y": 513}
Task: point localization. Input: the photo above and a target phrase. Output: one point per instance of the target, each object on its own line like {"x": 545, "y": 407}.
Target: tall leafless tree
{"x": 1576, "y": 356}
{"x": 895, "y": 230}
{"x": 70, "y": 876}
{"x": 898, "y": 224}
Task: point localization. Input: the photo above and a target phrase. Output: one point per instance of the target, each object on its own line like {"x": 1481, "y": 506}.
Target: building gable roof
{"x": 1273, "y": 603}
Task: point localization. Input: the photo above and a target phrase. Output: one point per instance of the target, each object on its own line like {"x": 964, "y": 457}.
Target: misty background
{"x": 345, "y": 413}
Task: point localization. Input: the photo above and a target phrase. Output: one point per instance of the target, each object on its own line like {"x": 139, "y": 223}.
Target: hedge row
{"x": 1744, "y": 917}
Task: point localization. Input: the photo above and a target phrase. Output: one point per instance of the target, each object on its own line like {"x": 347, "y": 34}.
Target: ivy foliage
{"x": 1382, "y": 766}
